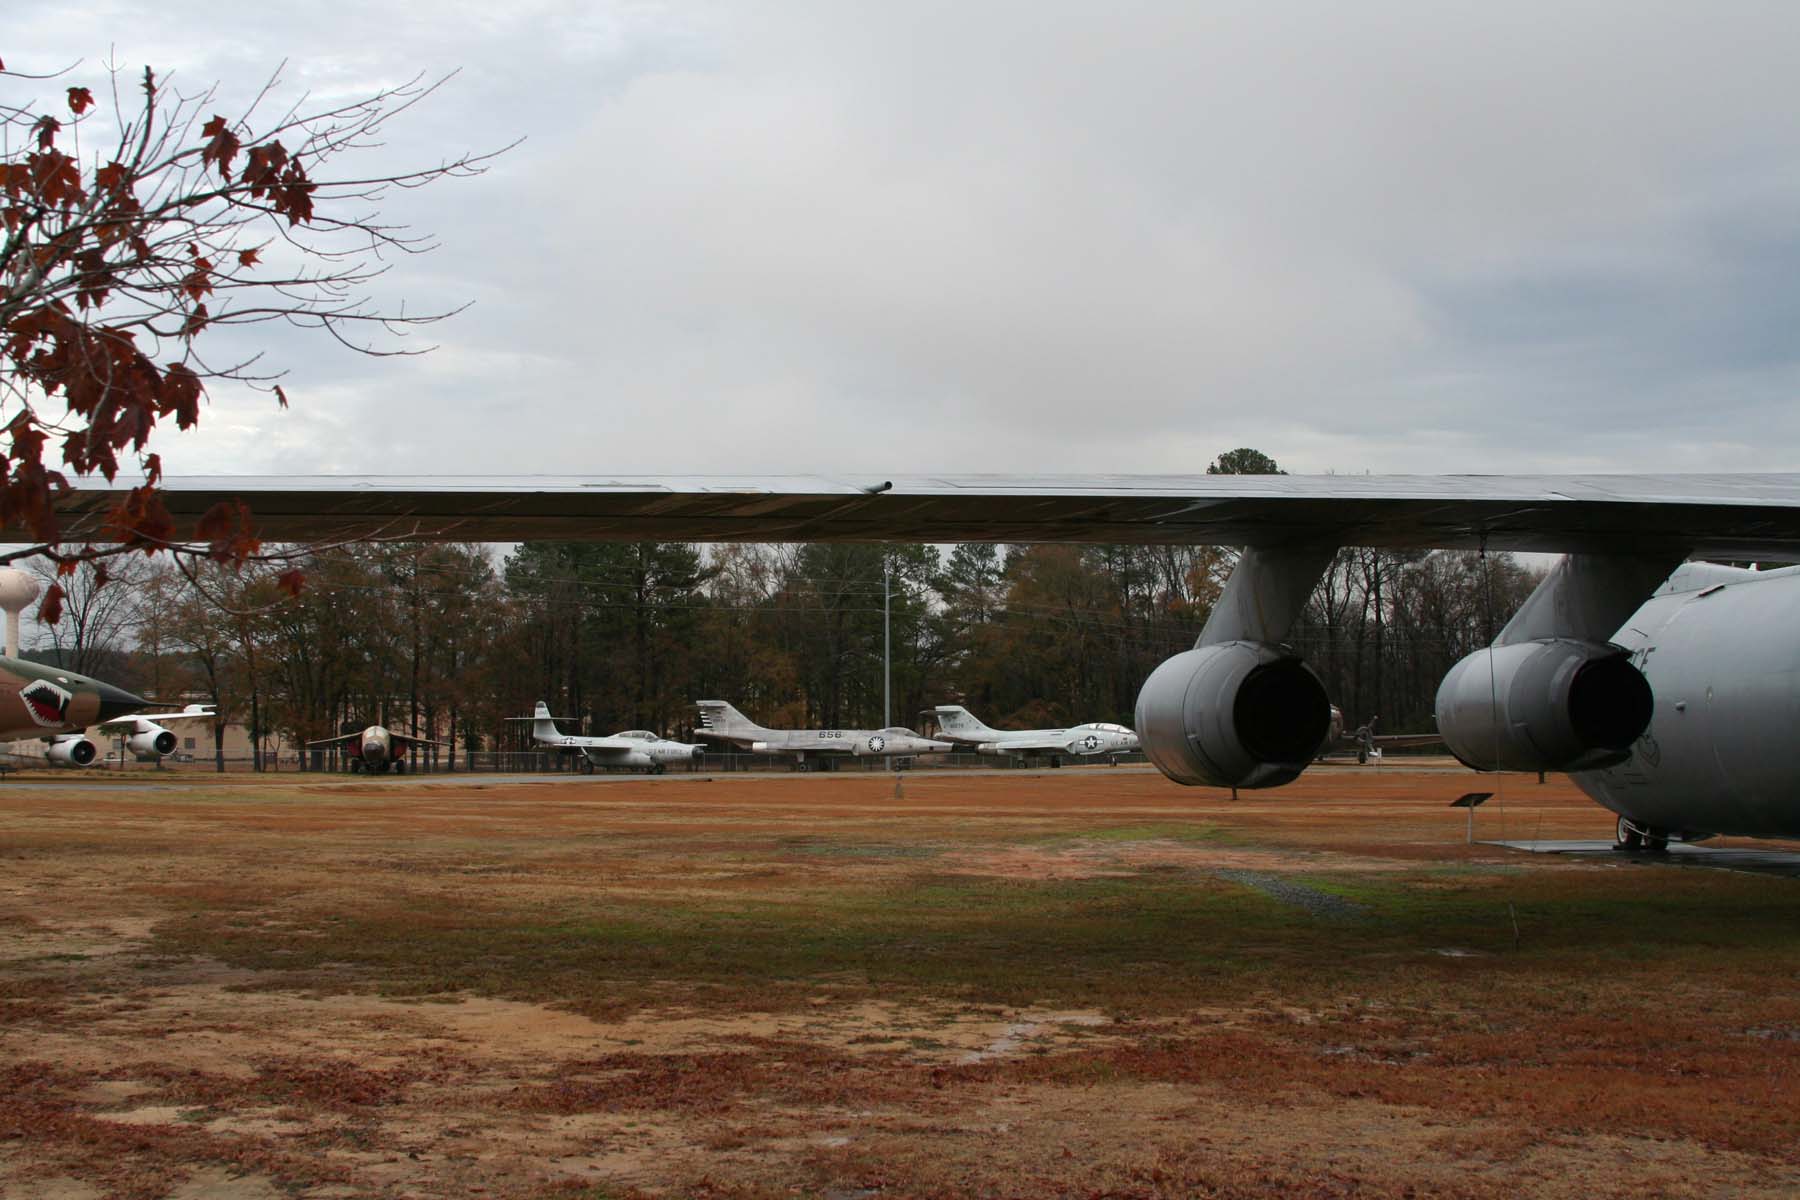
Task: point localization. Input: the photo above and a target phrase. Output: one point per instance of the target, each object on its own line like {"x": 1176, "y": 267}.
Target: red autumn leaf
{"x": 222, "y": 147}
{"x": 47, "y": 126}
{"x": 228, "y": 532}
{"x": 291, "y": 581}
{"x": 80, "y": 100}
{"x": 140, "y": 518}
{"x": 65, "y": 567}
{"x": 181, "y": 392}
{"x": 50, "y": 611}
{"x": 280, "y": 396}
{"x": 248, "y": 258}
{"x": 112, "y": 176}
{"x": 153, "y": 468}
{"x": 100, "y": 575}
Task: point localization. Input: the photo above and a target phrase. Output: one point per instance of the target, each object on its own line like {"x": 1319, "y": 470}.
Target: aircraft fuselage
{"x": 1723, "y": 663}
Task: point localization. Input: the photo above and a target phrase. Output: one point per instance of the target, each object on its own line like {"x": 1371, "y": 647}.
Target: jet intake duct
{"x": 1233, "y": 714}
{"x": 71, "y": 752}
{"x": 149, "y": 744}
{"x": 1557, "y": 704}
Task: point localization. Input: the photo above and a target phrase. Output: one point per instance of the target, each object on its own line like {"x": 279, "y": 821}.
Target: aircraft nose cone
{"x": 117, "y": 702}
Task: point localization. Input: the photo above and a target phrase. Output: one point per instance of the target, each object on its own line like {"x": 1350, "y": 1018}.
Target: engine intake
{"x": 1557, "y": 704}
{"x": 71, "y": 752}
{"x": 1233, "y": 714}
{"x": 151, "y": 745}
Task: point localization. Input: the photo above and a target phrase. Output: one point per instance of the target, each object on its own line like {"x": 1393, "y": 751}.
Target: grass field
{"x": 1078, "y": 983}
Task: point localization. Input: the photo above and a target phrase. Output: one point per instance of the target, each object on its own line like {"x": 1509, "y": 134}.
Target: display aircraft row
{"x": 1667, "y": 687}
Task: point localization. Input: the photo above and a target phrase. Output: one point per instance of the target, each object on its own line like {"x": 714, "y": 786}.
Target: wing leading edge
{"x": 1716, "y": 516}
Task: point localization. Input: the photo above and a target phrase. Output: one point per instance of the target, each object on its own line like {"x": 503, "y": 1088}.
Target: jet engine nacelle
{"x": 1558, "y": 704}
{"x": 71, "y": 752}
{"x": 151, "y": 744}
{"x": 1233, "y": 714}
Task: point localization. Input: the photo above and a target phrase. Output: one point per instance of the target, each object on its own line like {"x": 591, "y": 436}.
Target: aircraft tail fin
{"x": 957, "y": 721}
{"x": 718, "y": 717}
{"x": 543, "y": 725}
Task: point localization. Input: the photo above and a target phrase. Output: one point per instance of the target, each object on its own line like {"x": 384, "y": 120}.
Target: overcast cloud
{"x": 843, "y": 237}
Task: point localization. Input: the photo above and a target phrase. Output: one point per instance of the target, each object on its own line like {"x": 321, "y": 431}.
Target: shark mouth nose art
{"x": 47, "y": 703}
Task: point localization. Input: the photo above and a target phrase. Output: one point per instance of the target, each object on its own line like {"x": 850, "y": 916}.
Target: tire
{"x": 587, "y": 766}
{"x": 1627, "y": 838}
{"x": 1656, "y": 841}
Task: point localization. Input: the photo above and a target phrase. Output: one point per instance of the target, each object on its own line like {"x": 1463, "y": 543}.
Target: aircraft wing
{"x": 132, "y": 723}
{"x": 410, "y": 740}
{"x": 340, "y": 740}
{"x": 1032, "y": 745}
{"x": 597, "y": 745}
{"x": 1712, "y": 516}
{"x": 1402, "y": 741}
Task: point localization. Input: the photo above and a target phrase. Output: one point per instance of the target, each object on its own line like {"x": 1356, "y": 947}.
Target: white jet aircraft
{"x": 957, "y": 724}
{"x": 637, "y": 749}
{"x": 815, "y": 747}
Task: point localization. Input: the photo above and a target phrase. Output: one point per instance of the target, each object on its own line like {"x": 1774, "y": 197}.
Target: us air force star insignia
{"x": 877, "y": 744}
{"x": 1090, "y": 741}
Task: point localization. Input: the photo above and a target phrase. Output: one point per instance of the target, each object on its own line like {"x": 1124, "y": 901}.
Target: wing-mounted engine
{"x": 152, "y": 743}
{"x": 75, "y": 751}
{"x": 1233, "y": 714}
{"x": 1552, "y": 704}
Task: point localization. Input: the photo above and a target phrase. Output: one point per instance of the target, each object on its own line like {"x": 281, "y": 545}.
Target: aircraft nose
{"x": 116, "y": 702}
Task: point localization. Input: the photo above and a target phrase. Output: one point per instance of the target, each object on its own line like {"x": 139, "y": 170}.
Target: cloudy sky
{"x": 847, "y": 237}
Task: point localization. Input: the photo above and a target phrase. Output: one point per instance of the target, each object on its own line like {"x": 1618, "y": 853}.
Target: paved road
{"x": 1737, "y": 856}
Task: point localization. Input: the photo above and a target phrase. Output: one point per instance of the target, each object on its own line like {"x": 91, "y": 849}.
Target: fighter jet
{"x": 376, "y": 749}
{"x": 818, "y": 747}
{"x": 145, "y": 737}
{"x": 638, "y": 749}
{"x": 957, "y": 724}
{"x": 37, "y": 700}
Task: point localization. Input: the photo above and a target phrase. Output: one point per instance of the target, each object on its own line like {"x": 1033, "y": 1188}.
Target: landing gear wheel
{"x": 1656, "y": 841}
{"x": 399, "y": 766}
{"x": 1627, "y": 837}
{"x": 659, "y": 769}
{"x": 587, "y": 766}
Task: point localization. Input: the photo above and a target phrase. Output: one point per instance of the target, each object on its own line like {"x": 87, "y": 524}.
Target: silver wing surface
{"x": 1713, "y": 516}
{"x": 340, "y": 740}
{"x": 132, "y": 723}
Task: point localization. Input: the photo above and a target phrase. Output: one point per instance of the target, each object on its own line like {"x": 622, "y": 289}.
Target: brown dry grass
{"x": 1083, "y": 983}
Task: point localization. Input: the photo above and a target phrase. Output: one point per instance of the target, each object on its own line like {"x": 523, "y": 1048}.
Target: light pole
{"x": 887, "y": 641}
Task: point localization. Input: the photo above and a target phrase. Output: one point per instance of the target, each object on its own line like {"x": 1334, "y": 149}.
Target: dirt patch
{"x": 775, "y": 986}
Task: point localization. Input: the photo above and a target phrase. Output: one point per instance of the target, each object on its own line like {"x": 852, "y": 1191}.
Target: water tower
{"x": 17, "y": 589}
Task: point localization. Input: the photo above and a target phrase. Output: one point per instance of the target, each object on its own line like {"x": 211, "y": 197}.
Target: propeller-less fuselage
{"x": 634, "y": 749}
{"x": 957, "y": 724}
{"x": 721, "y": 722}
